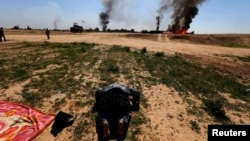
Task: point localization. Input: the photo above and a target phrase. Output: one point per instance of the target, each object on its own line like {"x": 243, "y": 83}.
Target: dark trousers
{"x": 2, "y": 36}
{"x": 113, "y": 126}
{"x": 48, "y": 36}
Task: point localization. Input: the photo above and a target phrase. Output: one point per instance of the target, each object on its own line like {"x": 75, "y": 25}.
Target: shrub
{"x": 195, "y": 126}
{"x": 144, "y": 50}
{"x": 159, "y": 54}
{"x": 214, "y": 107}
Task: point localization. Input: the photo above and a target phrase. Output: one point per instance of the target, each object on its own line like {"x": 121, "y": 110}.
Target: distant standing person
{"x": 2, "y": 35}
{"x": 47, "y": 32}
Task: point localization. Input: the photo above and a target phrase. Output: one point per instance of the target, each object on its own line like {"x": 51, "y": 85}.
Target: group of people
{"x": 3, "y": 38}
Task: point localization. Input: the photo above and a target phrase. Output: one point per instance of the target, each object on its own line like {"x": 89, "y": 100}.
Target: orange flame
{"x": 183, "y": 31}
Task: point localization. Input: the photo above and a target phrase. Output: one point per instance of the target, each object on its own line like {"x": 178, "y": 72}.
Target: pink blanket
{"x": 19, "y": 122}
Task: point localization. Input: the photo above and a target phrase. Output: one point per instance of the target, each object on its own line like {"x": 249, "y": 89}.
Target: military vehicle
{"x": 76, "y": 28}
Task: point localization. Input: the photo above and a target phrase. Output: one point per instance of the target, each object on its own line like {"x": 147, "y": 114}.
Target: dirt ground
{"x": 206, "y": 49}
{"x": 167, "y": 114}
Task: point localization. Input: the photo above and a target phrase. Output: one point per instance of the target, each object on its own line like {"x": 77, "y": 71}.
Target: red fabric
{"x": 19, "y": 122}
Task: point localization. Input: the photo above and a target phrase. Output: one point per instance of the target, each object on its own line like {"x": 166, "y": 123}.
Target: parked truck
{"x": 76, "y": 28}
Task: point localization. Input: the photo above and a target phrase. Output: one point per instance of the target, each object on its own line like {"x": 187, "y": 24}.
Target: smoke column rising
{"x": 184, "y": 12}
{"x": 105, "y": 16}
{"x": 57, "y": 21}
{"x": 164, "y": 6}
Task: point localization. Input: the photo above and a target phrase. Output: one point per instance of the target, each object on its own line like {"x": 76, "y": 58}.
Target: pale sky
{"x": 214, "y": 16}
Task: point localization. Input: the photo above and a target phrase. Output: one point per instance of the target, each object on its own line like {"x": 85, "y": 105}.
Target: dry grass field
{"x": 181, "y": 78}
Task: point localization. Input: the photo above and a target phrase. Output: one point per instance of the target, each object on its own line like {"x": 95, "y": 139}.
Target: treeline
{"x": 94, "y": 30}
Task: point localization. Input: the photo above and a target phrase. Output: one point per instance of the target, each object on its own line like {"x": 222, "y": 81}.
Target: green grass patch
{"x": 109, "y": 66}
{"x": 236, "y": 45}
{"x": 244, "y": 59}
{"x": 184, "y": 76}
{"x": 78, "y": 69}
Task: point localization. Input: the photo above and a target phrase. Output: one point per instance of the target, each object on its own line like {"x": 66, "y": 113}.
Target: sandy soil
{"x": 161, "y": 44}
{"x": 219, "y": 56}
{"x": 168, "y": 118}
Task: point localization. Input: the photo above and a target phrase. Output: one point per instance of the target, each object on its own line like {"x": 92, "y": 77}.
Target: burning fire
{"x": 183, "y": 31}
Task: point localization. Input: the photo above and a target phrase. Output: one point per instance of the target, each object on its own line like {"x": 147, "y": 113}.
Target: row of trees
{"x": 96, "y": 30}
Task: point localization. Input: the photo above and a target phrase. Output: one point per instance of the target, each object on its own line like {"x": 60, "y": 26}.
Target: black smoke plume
{"x": 184, "y": 12}
{"x": 105, "y": 16}
{"x": 158, "y": 22}
{"x": 164, "y": 5}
